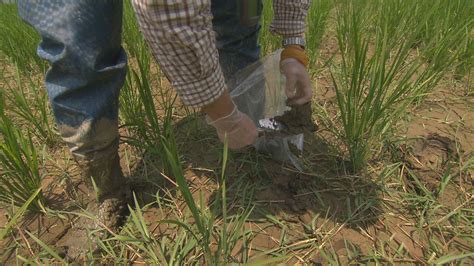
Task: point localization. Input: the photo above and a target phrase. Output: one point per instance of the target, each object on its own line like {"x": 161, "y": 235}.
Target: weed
{"x": 139, "y": 112}
{"x": 30, "y": 103}
{"x": 318, "y": 15}
{"x": 18, "y": 43}
{"x": 266, "y": 39}
{"x": 20, "y": 172}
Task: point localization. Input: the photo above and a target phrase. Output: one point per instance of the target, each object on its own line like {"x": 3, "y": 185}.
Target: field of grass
{"x": 389, "y": 174}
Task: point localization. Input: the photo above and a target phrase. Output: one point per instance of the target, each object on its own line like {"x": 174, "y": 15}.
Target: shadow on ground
{"x": 325, "y": 189}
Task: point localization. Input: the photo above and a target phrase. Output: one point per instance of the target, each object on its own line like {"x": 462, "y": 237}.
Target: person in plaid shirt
{"x": 198, "y": 45}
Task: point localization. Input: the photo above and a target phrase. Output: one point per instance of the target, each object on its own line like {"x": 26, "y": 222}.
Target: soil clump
{"x": 429, "y": 157}
{"x": 298, "y": 119}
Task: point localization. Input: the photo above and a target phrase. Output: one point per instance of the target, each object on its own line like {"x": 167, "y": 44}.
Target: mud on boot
{"x": 107, "y": 209}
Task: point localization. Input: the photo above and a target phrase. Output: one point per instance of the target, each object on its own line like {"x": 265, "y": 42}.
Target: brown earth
{"x": 299, "y": 119}
{"x": 303, "y": 205}
{"x": 326, "y": 206}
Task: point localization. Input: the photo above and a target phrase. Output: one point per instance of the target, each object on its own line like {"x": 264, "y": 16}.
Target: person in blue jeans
{"x": 81, "y": 39}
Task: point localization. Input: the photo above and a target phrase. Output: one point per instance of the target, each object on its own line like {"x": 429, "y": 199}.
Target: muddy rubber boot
{"x": 109, "y": 194}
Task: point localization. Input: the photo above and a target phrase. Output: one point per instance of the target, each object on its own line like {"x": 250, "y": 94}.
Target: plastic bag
{"x": 259, "y": 91}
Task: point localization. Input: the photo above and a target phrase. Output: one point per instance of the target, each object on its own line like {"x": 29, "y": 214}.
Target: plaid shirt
{"x": 181, "y": 38}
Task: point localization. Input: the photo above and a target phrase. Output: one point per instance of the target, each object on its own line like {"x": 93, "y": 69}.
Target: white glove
{"x": 298, "y": 84}
{"x": 240, "y": 129}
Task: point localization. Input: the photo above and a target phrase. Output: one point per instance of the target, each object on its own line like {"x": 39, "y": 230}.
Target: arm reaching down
{"x": 290, "y": 23}
{"x": 182, "y": 40}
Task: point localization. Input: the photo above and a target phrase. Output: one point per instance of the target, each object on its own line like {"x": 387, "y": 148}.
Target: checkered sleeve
{"x": 182, "y": 40}
{"x": 290, "y": 17}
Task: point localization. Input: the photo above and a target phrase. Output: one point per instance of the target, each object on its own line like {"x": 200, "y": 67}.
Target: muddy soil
{"x": 440, "y": 142}
{"x": 430, "y": 153}
{"x": 298, "y": 119}
{"x": 428, "y": 157}
{"x": 305, "y": 206}
{"x": 298, "y": 200}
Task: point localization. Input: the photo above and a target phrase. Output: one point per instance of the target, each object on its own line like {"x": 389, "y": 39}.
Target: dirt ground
{"x": 325, "y": 205}
{"x": 299, "y": 119}
{"x": 285, "y": 194}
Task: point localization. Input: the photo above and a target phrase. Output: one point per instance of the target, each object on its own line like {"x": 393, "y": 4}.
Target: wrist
{"x": 294, "y": 40}
{"x": 221, "y": 107}
{"x": 296, "y": 52}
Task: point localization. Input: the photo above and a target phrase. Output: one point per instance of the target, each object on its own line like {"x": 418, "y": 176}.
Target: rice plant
{"x": 143, "y": 95}
{"x": 447, "y": 17}
{"x": 266, "y": 39}
{"x": 20, "y": 174}
{"x": 224, "y": 233}
{"x": 317, "y": 18}
{"x": 187, "y": 242}
{"x": 465, "y": 58}
{"x": 18, "y": 42}
{"x": 16, "y": 217}
{"x": 165, "y": 250}
{"x": 392, "y": 53}
{"x": 440, "y": 31}
{"x": 139, "y": 110}
{"x": 133, "y": 39}
{"x": 378, "y": 76}
{"x": 29, "y": 104}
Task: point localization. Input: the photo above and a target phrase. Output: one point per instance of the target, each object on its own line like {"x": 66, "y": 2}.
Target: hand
{"x": 298, "y": 84}
{"x": 224, "y": 116}
{"x": 239, "y": 128}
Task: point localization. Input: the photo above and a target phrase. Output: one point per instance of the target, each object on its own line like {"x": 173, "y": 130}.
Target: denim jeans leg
{"x": 237, "y": 44}
{"x": 238, "y": 48}
{"x": 82, "y": 41}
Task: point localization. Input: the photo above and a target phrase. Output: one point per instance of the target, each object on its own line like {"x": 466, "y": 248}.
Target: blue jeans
{"x": 82, "y": 41}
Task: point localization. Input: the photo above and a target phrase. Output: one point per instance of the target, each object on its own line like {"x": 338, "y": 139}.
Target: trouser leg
{"x": 82, "y": 41}
{"x": 237, "y": 44}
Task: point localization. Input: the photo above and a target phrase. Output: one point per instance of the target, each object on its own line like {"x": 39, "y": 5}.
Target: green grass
{"x": 388, "y": 61}
{"x": 18, "y": 43}
{"x": 20, "y": 170}
{"x": 318, "y": 16}
{"x": 379, "y": 76}
{"x": 149, "y": 131}
{"x": 31, "y": 108}
{"x": 266, "y": 39}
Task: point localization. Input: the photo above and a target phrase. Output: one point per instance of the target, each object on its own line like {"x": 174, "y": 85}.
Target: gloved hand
{"x": 240, "y": 129}
{"x": 293, "y": 64}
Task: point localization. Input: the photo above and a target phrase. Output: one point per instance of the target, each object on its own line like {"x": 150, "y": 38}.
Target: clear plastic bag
{"x": 259, "y": 91}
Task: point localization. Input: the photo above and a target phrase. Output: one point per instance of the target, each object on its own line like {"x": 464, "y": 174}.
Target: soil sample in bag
{"x": 298, "y": 119}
